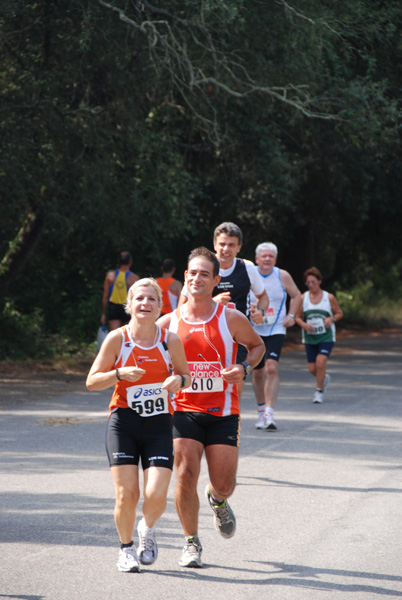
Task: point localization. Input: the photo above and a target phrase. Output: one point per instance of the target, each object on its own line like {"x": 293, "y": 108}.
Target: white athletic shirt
{"x": 273, "y": 320}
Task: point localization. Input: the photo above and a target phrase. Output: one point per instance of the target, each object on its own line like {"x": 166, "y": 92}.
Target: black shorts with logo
{"x": 130, "y": 437}
{"x": 207, "y": 429}
{"x": 273, "y": 347}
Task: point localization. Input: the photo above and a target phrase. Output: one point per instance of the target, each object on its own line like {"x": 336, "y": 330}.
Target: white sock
{"x": 269, "y": 412}
{"x": 145, "y": 526}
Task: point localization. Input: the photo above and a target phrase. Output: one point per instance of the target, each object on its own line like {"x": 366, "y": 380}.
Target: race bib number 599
{"x": 148, "y": 400}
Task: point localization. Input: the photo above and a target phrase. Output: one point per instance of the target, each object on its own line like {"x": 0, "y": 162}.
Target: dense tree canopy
{"x": 126, "y": 124}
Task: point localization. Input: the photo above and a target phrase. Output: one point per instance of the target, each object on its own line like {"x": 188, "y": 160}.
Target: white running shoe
{"x": 318, "y": 397}
{"x": 269, "y": 423}
{"x": 128, "y": 561}
{"x": 327, "y": 379}
{"x": 224, "y": 519}
{"x": 147, "y": 548}
{"x": 191, "y": 555}
{"x": 260, "y": 422}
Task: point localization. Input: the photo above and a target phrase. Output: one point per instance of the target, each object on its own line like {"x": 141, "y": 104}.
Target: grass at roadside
{"x": 362, "y": 313}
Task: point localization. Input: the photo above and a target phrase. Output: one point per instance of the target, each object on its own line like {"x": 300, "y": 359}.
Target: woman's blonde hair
{"x": 145, "y": 282}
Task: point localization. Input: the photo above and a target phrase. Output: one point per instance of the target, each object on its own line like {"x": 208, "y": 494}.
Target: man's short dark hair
{"x": 230, "y": 229}
{"x": 168, "y": 265}
{"x": 202, "y": 251}
{"x": 125, "y": 258}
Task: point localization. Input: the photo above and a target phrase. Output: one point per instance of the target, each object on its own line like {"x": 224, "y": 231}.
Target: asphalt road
{"x": 318, "y": 502}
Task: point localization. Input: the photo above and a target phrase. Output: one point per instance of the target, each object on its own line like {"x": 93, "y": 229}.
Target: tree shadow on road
{"x": 293, "y": 576}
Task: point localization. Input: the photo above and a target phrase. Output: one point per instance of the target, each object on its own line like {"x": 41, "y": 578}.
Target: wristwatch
{"x": 247, "y": 368}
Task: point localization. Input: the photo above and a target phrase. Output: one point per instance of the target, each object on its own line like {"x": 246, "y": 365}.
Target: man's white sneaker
{"x": 147, "y": 548}
{"x": 260, "y": 422}
{"x": 327, "y": 379}
{"x": 318, "y": 397}
{"x": 128, "y": 561}
{"x": 269, "y": 423}
{"x": 191, "y": 555}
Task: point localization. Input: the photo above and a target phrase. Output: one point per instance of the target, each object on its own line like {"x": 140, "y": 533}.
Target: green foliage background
{"x": 129, "y": 125}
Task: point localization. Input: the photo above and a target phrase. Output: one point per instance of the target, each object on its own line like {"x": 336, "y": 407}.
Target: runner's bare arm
{"x": 105, "y": 296}
{"x": 243, "y": 333}
{"x": 164, "y": 321}
{"x": 223, "y": 298}
{"x": 299, "y": 318}
{"x": 295, "y": 298}
{"x": 132, "y": 278}
{"x": 337, "y": 312}
{"x": 176, "y": 287}
{"x": 257, "y": 311}
{"x": 182, "y": 300}
{"x": 102, "y": 375}
{"x": 174, "y": 383}
{"x": 263, "y": 301}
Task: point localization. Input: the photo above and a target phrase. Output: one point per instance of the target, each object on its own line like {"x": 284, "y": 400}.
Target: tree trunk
{"x": 21, "y": 249}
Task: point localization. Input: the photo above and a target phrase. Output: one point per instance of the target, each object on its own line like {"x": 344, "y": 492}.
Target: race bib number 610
{"x": 205, "y": 377}
{"x": 148, "y": 400}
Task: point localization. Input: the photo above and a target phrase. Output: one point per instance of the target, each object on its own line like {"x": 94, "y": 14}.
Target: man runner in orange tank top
{"x": 170, "y": 286}
{"x": 206, "y": 417}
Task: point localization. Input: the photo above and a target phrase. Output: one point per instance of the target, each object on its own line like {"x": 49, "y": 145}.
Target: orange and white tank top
{"x": 145, "y": 396}
{"x": 169, "y": 300}
{"x": 209, "y": 347}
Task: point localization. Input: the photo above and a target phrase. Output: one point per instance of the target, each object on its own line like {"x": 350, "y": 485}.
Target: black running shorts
{"x": 207, "y": 429}
{"x": 273, "y": 347}
{"x": 116, "y": 312}
{"x": 130, "y": 437}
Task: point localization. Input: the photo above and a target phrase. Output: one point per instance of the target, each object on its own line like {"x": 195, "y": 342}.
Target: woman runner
{"x": 146, "y": 364}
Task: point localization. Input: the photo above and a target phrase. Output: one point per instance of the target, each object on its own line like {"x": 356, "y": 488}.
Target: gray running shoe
{"x": 327, "y": 379}
{"x": 147, "y": 548}
{"x": 191, "y": 555}
{"x": 128, "y": 561}
{"x": 224, "y": 519}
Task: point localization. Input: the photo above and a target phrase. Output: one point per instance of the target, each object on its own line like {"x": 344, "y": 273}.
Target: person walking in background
{"x": 238, "y": 277}
{"x": 145, "y": 364}
{"x": 317, "y": 316}
{"x": 207, "y": 414}
{"x": 115, "y": 288}
{"x": 278, "y": 284}
{"x": 170, "y": 286}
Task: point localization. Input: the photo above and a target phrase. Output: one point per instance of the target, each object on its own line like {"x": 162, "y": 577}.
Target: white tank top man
{"x": 278, "y": 284}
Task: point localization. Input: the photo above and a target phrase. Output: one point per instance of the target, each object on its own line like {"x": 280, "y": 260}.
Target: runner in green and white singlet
{"x": 316, "y": 317}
